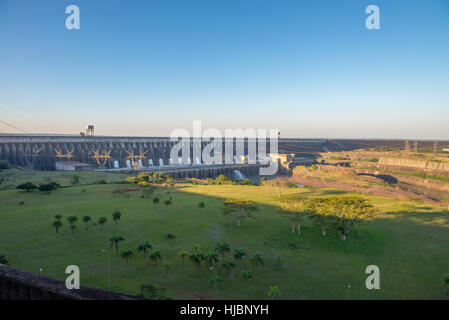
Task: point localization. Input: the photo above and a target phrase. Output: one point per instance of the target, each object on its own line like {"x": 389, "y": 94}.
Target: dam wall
{"x": 42, "y": 152}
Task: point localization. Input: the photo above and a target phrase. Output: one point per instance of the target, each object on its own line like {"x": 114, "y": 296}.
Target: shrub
{"x": 3, "y": 260}
{"x": 48, "y": 187}
{"x": 4, "y": 165}
{"x": 27, "y": 186}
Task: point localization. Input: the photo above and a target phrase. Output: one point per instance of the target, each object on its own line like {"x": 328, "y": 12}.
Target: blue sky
{"x": 308, "y": 68}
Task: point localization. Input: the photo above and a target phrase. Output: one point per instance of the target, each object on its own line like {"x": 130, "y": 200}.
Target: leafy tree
{"x": 201, "y": 205}
{"x": 183, "y": 255}
{"x": 247, "y": 274}
{"x": 57, "y": 224}
{"x": 222, "y": 248}
{"x": 167, "y": 266}
{"x": 239, "y": 254}
{"x": 273, "y": 292}
{"x": 114, "y": 241}
{"x": 72, "y": 227}
{"x": 27, "y": 186}
{"x": 127, "y": 255}
{"x": 155, "y": 254}
{"x": 145, "y": 247}
{"x": 445, "y": 282}
{"x": 240, "y": 209}
{"x": 349, "y": 211}
{"x": 256, "y": 260}
{"x": 102, "y": 221}
{"x": 321, "y": 213}
{"x": 116, "y": 217}
{"x": 86, "y": 220}
{"x": 3, "y": 260}
{"x": 58, "y": 217}
{"x": 296, "y": 210}
{"x": 156, "y": 201}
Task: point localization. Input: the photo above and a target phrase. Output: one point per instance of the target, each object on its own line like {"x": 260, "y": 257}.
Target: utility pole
{"x": 415, "y": 147}
{"x": 435, "y": 146}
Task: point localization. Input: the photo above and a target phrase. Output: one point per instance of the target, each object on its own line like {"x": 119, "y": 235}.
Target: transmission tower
{"x": 67, "y": 156}
{"x": 136, "y": 160}
{"x": 102, "y": 159}
{"x": 407, "y": 146}
{"x": 415, "y": 146}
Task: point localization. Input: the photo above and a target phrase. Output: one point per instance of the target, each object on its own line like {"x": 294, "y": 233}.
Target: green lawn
{"x": 409, "y": 242}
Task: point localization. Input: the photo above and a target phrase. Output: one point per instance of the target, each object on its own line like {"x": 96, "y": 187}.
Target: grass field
{"x": 409, "y": 242}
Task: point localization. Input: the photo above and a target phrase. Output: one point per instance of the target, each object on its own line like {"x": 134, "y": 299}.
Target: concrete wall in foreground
{"x": 17, "y": 284}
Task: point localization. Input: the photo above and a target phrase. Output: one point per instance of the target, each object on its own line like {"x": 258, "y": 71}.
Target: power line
{"x": 12, "y": 126}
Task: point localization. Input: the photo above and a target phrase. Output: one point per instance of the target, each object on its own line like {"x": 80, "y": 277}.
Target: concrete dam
{"x": 42, "y": 152}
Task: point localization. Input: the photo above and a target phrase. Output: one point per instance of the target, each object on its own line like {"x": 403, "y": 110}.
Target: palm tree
{"x": 215, "y": 280}
{"x": 274, "y": 291}
{"x": 222, "y": 248}
{"x": 58, "y": 217}
{"x": 210, "y": 257}
{"x": 196, "y": 248}
{"x": 167, "y": 202}
{"x": 127, "y": 255}
{"x": 145, "y": 247}
{"x": 155, "y": 254}
{"x": 114, "y": 240}
{"x": 183, "y": 256}
{"x": 72, "y": 219}
{"x": 247, "y": 274}
{"x": 196, "y": 258}
{"x": 86, "y": 220}
{"x": 116, "y": 217}
{"x": 156, "y": 201}
{"x": 228, "y": 265}
{"x": 57, "y": 224}
{"x": 102, "y": 221}
{"x": 166, "y": 265}
{"x": 445, "y": 283}
{"x": 256, "y": 260}
{"x": 73, "y": 227}
{"x": 239, "y": 254}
